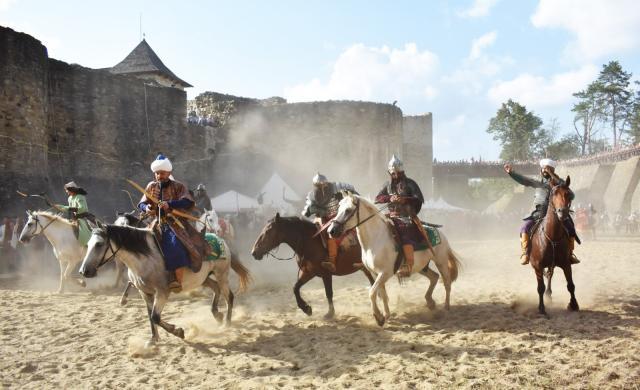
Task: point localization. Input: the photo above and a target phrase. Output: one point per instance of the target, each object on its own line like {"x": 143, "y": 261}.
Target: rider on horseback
{"x": 181, "y": 243}
{"x": 78, "y": 211}
{"x": 405, "y": 201}
{"x": 202, "y": 200}
{"x": 323, "y": 202}
{"x": 541, "y": 203}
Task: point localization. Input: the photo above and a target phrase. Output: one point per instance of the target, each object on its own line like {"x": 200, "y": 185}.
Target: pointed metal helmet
{"x": 395, "y": 165}
{"x": 319, "y": 179}
{"x": 201, "y": 187}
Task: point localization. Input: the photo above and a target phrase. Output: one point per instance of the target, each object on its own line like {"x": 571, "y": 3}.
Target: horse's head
{"x": 560, "y": 198}
{"x": 31, "y": 228}
{"x": 98, "y": 249}
{"x": 210, "y": 219}
{"x": 270, "y": 237}
{"x": 344, "y": 219}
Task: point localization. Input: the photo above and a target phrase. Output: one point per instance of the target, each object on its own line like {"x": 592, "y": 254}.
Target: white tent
{"x": 233, "y": 201}
{"x": 442, "y": 205}
{"x": 275, "y": 190}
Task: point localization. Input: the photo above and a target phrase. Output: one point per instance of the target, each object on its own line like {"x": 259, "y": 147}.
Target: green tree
{"x": 569, "y": 146}
{"x": 587, "y": 111}
{"x": 613, "y": 94}
{"x": 519, "y": 131}
{"x": 634, "y": 121}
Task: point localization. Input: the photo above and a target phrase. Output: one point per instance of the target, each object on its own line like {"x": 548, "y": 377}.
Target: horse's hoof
{"x": 573, "y": 306}
{"x": 123, "y": 302}
{"x": 179, "y": 332}
{"x": 150, "y": 343}
{"x": 329, "y": 315}
{"x": 83, "y": 283}
{"x": 307, "y": 310}
{"x": 379, "y": 319}
{"x": 431, "y": 304}
{"x": 219, "y": 317}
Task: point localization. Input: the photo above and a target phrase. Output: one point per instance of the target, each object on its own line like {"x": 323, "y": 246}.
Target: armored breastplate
{"x": 541, "y": 196}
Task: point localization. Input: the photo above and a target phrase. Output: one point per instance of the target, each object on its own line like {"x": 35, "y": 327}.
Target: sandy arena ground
{"x": 491, "y": 338}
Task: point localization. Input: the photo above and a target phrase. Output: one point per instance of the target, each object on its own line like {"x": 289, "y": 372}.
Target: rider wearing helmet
{"x": 541, "y": 202}
{"x": 323, "y": 202}
{"x": 405, "y": 201}
{"x": 201, "y": 198}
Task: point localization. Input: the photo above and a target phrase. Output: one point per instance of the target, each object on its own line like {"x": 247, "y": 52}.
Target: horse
{"x": 550, "y": 243}
{"x": 300, "y": 235}
{"x": 139, "y": 250}
{"x": 59, "y": 232}
{"x": 380, "y": 254}
{"x": 210, "y": 220}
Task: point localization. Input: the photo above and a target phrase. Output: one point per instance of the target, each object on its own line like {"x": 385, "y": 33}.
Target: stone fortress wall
{"x": 60, "y": 122}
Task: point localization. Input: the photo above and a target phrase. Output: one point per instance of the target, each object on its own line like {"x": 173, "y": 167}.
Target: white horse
{"x": 59, "y": 232}
{"x": 380, "y": 256}
{"x": 210, "y": 220}
{"x": 138, "y": 249}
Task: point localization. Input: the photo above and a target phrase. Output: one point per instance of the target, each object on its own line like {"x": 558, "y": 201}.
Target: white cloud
{"x": 481, "y": 43}
{"x": 538, "y": 91}
{"x": 475, "y": 70}
{"x": 5, "y": 4}
{"x": 599, "y": 27}
{"x": 478, "y": 9}
{"x": 373, "y": 73}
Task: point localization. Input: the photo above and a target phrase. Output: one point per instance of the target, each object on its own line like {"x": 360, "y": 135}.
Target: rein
{"x": 356, "y": 211}
{"x": 105, "y": 260}
{"x": 42, "y": 228}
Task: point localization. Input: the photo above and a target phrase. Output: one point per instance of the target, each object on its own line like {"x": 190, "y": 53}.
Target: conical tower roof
{"x": 142, "y": 60}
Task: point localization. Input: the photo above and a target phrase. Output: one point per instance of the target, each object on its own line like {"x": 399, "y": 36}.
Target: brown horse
{"x": 299, "y": 235}
{"x": 550, "y": 243}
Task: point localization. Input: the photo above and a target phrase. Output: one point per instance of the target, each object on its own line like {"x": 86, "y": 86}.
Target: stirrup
{"x": 574, "y": 259}
{"x": 328, "y": 266}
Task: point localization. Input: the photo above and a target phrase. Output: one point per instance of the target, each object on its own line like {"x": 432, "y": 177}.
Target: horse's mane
{"x": 128, "y": 238}
{"x": 297, "y": 220}
{"x": 53, "y": 216}
{"x": 368, "y": 203}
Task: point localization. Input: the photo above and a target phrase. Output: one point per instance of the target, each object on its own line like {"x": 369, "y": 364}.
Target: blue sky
{"x": 456, "y": 59}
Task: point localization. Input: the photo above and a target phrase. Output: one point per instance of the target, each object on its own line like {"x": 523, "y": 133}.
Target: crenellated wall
{"x": 60, "y": 122}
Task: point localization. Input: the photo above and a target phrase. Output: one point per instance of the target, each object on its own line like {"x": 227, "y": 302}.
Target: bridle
{"x": 104, "y": 260}
{"x": 356, "y": 211}
{"x": 555, "y": 244}
{"x": 38, "y": 223}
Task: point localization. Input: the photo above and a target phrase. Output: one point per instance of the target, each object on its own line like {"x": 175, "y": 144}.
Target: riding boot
{"x": 175, "y": 280}
{"x": 572, "y": 256}
{"x": 407, "y": 267}
{"x": 332, "y": 249}
{"x": 524, "y": 243}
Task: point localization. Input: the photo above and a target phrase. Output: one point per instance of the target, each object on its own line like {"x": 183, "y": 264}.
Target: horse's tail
{"x": 242, "y": 271}
{"x": 454, "y": 265}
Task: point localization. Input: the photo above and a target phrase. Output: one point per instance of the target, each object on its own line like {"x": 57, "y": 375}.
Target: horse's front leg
{"x": 373, "y": 296}
{"x": 573, "y": 303}
{"x": 541, "y": 288}
{"x": 63, "y": 269}
{"x": 148, "y": 299}
{"x": 158, "y": 304}
{"x": 125, "y": 293}
{"x": 119, "y": 272}
{"x": 385, "y": 301}
{"x": 303, "y": 277}
{"x": 327, "y": 280}
{"x": 549, "y": 276}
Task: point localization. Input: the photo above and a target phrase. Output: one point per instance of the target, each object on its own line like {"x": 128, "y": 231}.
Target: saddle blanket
{"x": 434, "y": 238}
{"x": 217, "y": 249}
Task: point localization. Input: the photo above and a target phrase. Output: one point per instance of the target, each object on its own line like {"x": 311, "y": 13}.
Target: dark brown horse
{"x": 299, "y": 235}
{"x": 550, "y": 243}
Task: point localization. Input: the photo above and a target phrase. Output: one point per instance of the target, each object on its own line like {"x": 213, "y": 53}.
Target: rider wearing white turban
{"x": 161, "y": 163}
{"x": 541, "y": 202}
